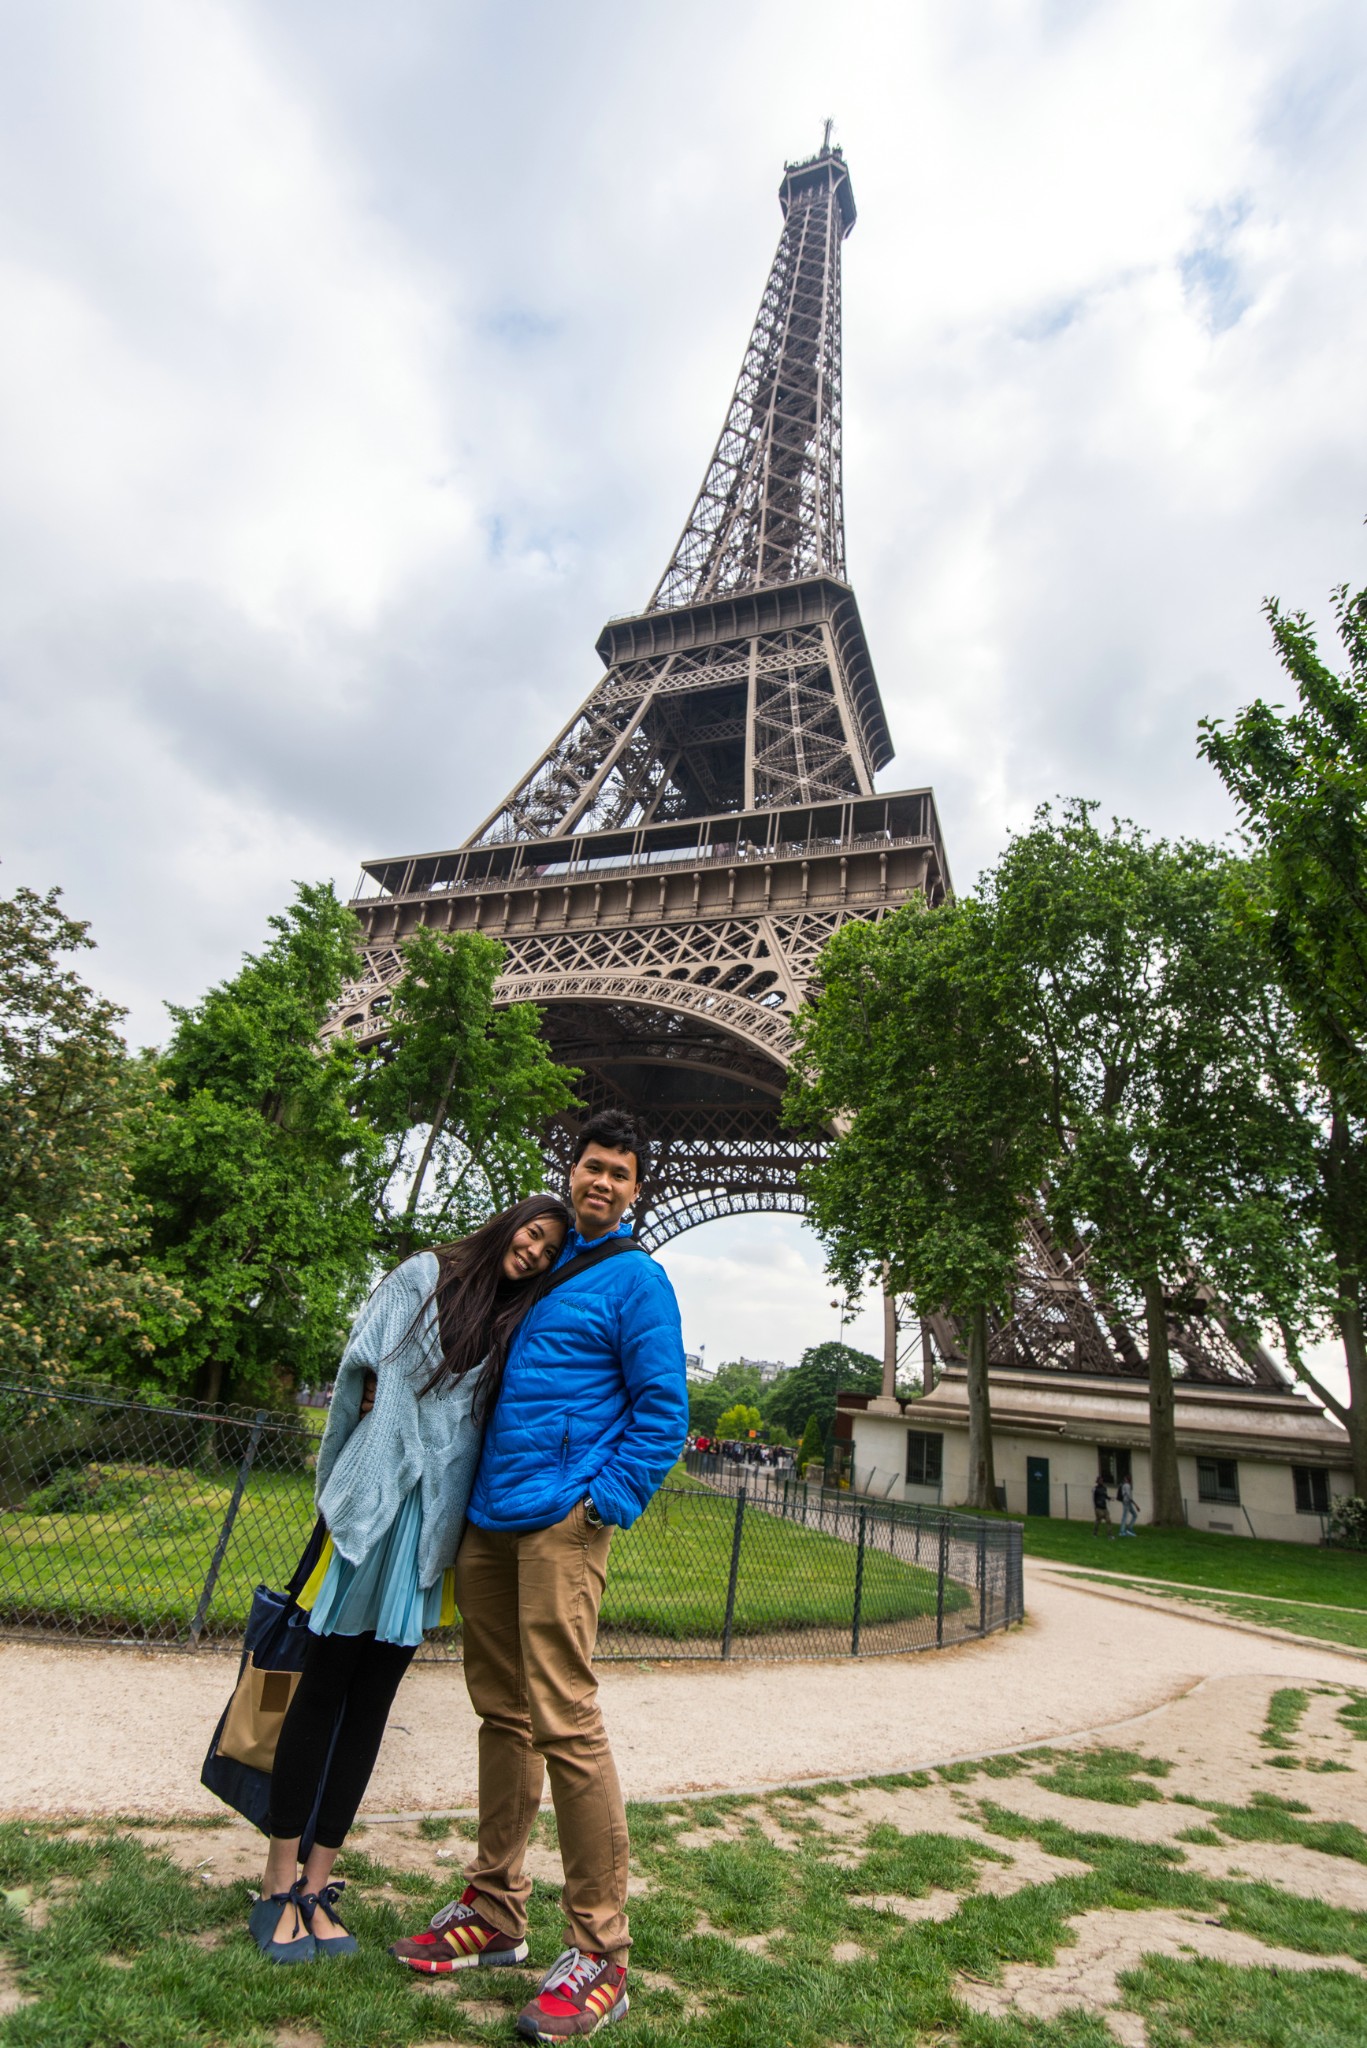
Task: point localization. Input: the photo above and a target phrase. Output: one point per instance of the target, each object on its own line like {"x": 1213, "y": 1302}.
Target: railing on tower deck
{"x": 748, "y": 853}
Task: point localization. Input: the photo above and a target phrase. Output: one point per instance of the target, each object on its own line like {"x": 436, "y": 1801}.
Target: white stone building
{"x": 1253, "y": 1461}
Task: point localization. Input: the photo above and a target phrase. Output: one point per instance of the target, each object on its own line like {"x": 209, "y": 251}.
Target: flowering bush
{"x": 1348, "y": 1522}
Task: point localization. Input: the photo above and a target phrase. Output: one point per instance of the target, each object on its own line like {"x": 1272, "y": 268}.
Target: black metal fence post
{"x": 982, "y": 1579}
{"x": 735, "y": 1571}
{"x": 244, "y": 1471}
{"x": 940, "y": 1585}
{"x": 858, "y": 1587}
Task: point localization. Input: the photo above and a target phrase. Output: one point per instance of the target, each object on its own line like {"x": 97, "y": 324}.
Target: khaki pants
{"x": 529, "y": 1608}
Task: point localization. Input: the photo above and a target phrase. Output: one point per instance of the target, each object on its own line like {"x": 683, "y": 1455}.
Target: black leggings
{"x": 360, "y": 1677}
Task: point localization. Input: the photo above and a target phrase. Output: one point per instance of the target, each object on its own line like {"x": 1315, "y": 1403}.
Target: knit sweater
{"x": 367, "y": 1465}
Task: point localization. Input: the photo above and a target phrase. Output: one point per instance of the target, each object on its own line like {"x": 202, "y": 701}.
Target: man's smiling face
{"x": 603, "y": 1185}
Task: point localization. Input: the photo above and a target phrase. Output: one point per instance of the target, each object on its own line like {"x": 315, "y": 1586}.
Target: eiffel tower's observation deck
{"x": 665, "y": 875}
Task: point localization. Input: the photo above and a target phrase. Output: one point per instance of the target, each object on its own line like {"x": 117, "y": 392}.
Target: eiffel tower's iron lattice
{"x": 665, "y": 875}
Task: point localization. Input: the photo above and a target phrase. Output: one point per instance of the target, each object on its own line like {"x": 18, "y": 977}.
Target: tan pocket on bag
{"x": 256, "y": 1714}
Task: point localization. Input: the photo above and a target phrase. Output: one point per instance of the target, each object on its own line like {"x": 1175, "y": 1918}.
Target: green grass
{"x": 1117, "y": 1776}
{"x": 669, "y": 1572}
{"x": 1192, "y": 1557}
{"x": 1269, "y": 1819}
{"x": 136, "y": 1953}
{"x": 139, "y": 1562}
{"x": 1284, "y": 1712}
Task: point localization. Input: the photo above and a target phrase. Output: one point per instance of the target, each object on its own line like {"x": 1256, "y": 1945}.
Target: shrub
{"x": 1348, "y": 1522}
{"x": 89, "y": 1490}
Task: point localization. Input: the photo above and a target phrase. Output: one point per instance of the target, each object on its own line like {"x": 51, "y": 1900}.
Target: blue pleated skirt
{"x": 381, "y": 1593}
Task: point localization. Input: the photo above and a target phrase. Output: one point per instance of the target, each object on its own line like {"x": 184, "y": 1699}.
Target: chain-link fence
{"x": 136, "y": 1521}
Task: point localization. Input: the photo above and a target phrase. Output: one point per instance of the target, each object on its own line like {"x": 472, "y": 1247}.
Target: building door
{"x": 1037, "y": 1486}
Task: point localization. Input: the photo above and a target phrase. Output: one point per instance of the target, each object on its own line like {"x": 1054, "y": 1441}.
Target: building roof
{"x": 1226, "y": 1421}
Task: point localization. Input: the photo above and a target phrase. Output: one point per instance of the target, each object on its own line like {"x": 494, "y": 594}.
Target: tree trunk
{"x": 434, "y": 1131}
{"x": 1163, "y": 1474}
{"x": 889, "y": 1387}
{"x": 927, "y": 1358}
{"x": 1349, "y": 1320}
{"x": 1341, "y": 1171}
{"x": 982, "y": 1484}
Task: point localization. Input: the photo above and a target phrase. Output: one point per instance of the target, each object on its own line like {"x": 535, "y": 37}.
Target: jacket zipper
{"x": 565, "y": 1445}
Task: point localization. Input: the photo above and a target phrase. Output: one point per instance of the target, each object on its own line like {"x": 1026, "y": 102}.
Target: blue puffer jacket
{"x": 593, "y": 1400}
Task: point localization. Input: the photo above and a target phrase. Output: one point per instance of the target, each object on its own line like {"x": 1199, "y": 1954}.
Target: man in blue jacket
{"x": 591, "y": 1415}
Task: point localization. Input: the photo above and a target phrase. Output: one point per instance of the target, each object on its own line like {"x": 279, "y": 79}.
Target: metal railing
{"x": 137, "y": 1521}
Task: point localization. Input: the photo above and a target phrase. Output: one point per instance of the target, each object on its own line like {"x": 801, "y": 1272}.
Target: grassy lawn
{"x": 139, "y": 1560}
{"x": 905, "y": 1910}
{"x": 670, "y": 1570}
{"x": 1191, "y": 1557}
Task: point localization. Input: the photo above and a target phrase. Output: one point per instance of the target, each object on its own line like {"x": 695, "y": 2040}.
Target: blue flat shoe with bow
{"x": 263, "y": 1920}
{"x": 343, "y": 1944}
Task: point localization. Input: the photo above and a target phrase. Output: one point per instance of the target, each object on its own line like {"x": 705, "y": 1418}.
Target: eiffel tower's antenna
{"x": 771, "y": 509}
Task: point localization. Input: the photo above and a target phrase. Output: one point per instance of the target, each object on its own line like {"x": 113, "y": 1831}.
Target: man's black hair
{"x": 619, "y": 1133}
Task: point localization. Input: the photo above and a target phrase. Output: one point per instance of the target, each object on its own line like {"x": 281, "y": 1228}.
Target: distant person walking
{"x": 1101, "y": 1508}
{"x": 396, "y": 1466}
{"x": 1129, "y": 1507}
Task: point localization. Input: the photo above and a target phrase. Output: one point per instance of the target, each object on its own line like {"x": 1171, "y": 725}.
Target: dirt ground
{"x": 104, "y": 1732}
{"x": 98, "y": 1730}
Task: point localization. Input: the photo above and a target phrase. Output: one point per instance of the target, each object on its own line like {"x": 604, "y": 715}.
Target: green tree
{"x": 459, "y": 1092}
{"x": 75, "y": 1284}
{"x": 1171, "y": 1071}
{"x": 810, "y": 1386}
{"x": 1300, "y": 781}
{"x": 252, "y": 1165}
{"x": 729, "y": 1383}
{"x": 811, "y": 1450}
{"x": 915, "y": 1049}
{"x": 737, "y": 1421}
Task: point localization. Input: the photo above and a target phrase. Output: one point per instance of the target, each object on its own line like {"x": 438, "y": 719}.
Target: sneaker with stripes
{"x": 579, "y": 1994}
{"x": 459, "y": 1938}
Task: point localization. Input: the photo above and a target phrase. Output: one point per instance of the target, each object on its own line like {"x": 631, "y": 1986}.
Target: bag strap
{"x": 581, "y": 1262}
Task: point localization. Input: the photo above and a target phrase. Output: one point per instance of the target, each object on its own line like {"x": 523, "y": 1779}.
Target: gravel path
{"x": 99, "y": 1730}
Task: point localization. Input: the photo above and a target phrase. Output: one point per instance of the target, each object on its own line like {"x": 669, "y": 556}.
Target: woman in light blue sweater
{"x": 395, "y": 1468}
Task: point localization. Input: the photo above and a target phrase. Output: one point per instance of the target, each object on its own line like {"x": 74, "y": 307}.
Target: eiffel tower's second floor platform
{"x": 864, "y": 855}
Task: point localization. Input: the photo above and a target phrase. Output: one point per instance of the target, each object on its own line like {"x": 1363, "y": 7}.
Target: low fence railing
{"x": 135, "y": 1521}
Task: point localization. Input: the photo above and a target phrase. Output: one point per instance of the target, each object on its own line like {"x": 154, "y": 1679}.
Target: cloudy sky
{"x": 359, "y": 359}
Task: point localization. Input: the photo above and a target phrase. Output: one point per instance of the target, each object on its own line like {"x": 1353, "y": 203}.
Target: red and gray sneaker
{"x": 459, "y": 1938}
{"x": 579, "y": 1994}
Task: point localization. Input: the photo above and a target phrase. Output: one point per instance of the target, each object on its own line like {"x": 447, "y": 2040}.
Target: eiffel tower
{"x": 665, "y": 875}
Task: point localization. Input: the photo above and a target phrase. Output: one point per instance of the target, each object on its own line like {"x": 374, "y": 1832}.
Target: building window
{"x": 1217, "y": 1479}
{"x": 924, "y": 1459}
{"x": 1312, "y": 1490}
{"x": 1113, "y": 1463}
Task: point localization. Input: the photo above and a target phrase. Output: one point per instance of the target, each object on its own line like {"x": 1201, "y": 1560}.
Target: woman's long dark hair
{"x": 477, "y": 1307}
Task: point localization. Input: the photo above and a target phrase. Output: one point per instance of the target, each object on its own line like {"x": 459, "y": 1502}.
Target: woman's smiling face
{"x": 534, "y": 1248}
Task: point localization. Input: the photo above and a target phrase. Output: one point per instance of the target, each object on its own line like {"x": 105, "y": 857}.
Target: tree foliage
{"x": 1300, "y": 781}
{"x": 1172, "y": 1075}
{"x": 252, "y": 1164}
{"x": 810, "y": 1387}
{"x": 914, "y": 1047}
{"x": 811, "y": 1454}
{"x": 458, "y": 1093}
{"x": 738, "y": 1421}
{"x": 75, "y": 1282}
{"x": 734, "y": 1382}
